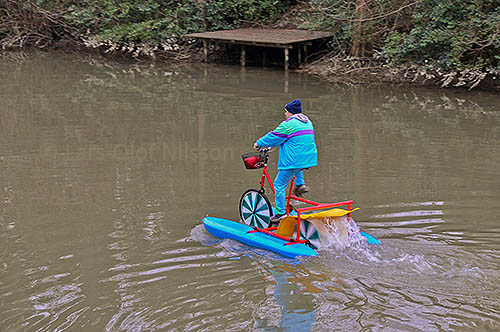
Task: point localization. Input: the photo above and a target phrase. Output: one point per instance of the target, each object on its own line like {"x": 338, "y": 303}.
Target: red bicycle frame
{"x": 315, "y": 206}
{"x": 265, "y": 175}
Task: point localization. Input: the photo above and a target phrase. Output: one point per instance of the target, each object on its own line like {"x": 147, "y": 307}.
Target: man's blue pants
{"x": 280, "y": 183}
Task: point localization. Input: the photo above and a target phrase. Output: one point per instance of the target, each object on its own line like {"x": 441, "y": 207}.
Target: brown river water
{"x": 107, "y": 168}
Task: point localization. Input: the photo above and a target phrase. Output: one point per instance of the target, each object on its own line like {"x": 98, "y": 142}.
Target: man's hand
{"x": 255, "y": 146}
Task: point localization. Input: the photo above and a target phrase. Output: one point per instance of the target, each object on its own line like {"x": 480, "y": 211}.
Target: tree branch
{"x": 375, "y": 17}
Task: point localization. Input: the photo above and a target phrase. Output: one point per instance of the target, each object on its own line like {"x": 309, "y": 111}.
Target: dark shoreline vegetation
{"x": 447, "y": 43}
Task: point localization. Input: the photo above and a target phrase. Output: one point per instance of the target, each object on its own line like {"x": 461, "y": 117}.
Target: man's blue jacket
{"x": 295, "y": 136}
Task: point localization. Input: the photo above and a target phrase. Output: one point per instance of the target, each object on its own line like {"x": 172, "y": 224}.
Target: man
{"x": 295, "y": 136}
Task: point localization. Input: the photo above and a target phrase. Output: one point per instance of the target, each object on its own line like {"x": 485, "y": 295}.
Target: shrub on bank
{"x": 152, "y": 26}
{"x": 459, "y": 38}
{"x": 443, "y": 41}
{"x": 136, "y": 26}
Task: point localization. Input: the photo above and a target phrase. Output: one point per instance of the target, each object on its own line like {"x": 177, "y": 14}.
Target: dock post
{"x": 243, "y": 56}
{"x": 286, "y": 59}
{"x": 299, "y": 54}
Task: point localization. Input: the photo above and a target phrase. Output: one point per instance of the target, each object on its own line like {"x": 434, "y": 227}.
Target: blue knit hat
{"x": 294, "y": 106}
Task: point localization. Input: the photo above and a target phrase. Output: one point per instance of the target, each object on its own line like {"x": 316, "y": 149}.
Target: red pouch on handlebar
{"x": 252, "y": 160}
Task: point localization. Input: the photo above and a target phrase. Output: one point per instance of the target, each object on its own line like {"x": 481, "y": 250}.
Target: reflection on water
{"x": 106, "y": 170}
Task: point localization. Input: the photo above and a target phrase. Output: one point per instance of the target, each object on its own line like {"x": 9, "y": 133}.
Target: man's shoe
{"x": 277, "y": 218}
{"x": 300, "y": 190}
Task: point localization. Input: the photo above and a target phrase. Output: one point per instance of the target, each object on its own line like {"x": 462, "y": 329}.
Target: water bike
{"x": 300, "y": 233}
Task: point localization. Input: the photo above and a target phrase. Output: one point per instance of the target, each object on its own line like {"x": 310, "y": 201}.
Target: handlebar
{"x": 264, "y": 153}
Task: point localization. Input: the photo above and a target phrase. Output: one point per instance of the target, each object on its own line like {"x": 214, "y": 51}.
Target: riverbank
{"x": 358, "y": 71}
{"x": 423, "y": 43}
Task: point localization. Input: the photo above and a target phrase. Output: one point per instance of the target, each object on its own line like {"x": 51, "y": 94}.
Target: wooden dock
{"x": 286, "y": 39}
